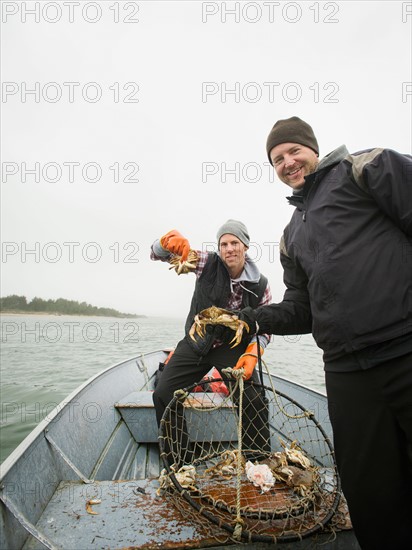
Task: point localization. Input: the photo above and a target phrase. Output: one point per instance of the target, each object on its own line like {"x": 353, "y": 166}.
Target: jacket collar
{"x": 336, "y": 156}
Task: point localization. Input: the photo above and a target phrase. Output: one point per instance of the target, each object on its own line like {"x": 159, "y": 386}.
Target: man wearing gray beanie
{"x": 347, "y": 261}
{"x": 227, "y": 279}
{"x": 236, "y": 228}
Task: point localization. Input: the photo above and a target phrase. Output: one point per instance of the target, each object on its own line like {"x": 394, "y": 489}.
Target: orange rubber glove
{"x": 175, "y": 243}
{"x": 248, "y": 360}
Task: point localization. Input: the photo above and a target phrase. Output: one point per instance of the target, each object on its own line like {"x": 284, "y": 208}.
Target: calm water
{"x": 45, "y": 357}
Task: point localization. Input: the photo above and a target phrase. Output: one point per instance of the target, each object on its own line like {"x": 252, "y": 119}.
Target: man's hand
{"x": 248, "y": 316}
{"x": 248, "y": 360}
{"x": 175, "y": 243}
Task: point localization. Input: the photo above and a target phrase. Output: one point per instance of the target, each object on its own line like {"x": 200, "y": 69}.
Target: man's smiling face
{"x": 293, "y": 162}
{"x": 233, "y": 253}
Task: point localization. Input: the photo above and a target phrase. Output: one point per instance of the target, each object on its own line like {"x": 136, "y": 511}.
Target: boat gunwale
{"x": 298, "y": 385}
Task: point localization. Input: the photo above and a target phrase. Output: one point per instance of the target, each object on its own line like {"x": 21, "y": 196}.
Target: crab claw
{"x": 192, "y": 332}
{"x": 196, "y": 328}
{"x": 239, "y": 332}
{"x": 89, "y": 504}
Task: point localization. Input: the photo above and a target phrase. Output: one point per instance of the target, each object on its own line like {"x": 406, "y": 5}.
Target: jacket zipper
{"x": 305, "y": 199}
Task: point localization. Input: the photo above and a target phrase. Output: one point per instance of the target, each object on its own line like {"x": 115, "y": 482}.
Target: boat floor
{"x": 132, "y": 515}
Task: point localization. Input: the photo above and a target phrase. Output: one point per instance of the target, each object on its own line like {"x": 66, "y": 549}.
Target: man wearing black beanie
{"x": 293, "y": 150}
{"x": 347, "y": 260}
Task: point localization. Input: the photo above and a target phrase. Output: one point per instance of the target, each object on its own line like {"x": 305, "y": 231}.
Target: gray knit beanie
{"x": 236, "y": 228}
{"x": 293, "y": 130}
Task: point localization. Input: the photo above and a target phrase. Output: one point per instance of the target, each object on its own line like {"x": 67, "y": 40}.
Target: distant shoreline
{"x": 57, "y": 314}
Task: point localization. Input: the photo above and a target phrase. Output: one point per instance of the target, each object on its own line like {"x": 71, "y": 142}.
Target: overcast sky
{"x": 123, "y": 120}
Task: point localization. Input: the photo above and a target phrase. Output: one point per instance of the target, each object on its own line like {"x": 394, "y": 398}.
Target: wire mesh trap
{"x": 253, "y": 462}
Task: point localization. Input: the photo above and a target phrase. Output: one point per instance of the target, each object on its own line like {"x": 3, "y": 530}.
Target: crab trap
{"x": 254, "y": 462}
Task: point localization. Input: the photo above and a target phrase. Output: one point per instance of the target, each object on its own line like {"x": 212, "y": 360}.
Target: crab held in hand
{"x": 218, "y": 316}
{"x": 184, "y": 267}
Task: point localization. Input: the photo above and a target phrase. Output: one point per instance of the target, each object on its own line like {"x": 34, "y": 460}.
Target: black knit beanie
{"x": 291, "y": 130}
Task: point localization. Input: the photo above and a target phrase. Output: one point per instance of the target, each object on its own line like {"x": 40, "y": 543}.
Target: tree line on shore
{"x": 19, "y": 304}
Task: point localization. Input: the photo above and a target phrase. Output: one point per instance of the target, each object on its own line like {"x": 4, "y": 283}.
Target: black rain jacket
{"x": 347, "y": 254}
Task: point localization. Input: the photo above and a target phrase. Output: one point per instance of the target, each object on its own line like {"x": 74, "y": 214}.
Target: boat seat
{"x": 138, "y": 412}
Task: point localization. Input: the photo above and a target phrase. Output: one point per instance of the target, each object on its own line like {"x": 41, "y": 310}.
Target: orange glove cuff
{"x": 248, "y": 360}
{"x": 252, "y": 348}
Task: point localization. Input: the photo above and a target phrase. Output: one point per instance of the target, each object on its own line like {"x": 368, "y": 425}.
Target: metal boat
{"x": 87, "y": 476}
